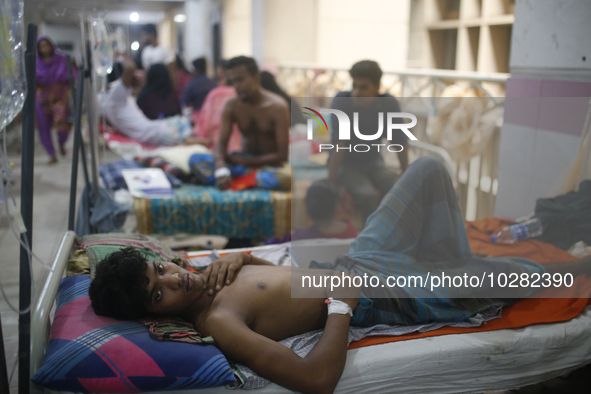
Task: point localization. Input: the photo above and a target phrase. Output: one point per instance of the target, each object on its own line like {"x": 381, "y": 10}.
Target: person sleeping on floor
{"x": 123, "y": 113}
{"x": 246, "y": 304}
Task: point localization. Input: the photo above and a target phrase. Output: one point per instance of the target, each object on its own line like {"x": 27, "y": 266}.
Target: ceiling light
{"x": 180, "y": 18}
{"x": 135, "y": 46}
{"x": 134, "y": 17}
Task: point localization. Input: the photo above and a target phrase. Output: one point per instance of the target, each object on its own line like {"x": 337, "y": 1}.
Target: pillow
{"x": 99, "y": 246}
{"x": 90, "y": 353}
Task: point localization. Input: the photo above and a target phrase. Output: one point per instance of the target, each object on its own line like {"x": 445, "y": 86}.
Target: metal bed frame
{"x": 33, "y": 333}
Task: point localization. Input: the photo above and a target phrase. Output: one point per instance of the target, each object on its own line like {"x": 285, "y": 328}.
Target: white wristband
{"x": 221, "y": 172}
{"x": 340, "y": 307}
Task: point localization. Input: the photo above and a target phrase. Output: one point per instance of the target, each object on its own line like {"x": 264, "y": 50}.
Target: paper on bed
{"x": 147, "y": 183}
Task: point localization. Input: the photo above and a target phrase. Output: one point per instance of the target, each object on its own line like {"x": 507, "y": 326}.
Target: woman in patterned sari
{"x": 53, "y": 96}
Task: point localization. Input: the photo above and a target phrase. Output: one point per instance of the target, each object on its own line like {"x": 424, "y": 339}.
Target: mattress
{"x": 461, "y": 363}
{"x": 207, "y": 210}
{"x": 465, "y": 363}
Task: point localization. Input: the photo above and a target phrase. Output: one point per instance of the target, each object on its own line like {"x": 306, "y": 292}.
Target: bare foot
{"x": 52, "y": 161}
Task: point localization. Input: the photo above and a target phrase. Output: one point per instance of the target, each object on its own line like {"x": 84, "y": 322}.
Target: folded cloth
{"x": 274, "y": 178}
{"x": 113, "y": 177}
{"x": 103, "y": 214}
{"x": 176, "y": 330}
{"x": 244, "y": 182}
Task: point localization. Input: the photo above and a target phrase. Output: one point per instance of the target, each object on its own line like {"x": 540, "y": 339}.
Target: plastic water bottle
{"x": 528, "y": 229}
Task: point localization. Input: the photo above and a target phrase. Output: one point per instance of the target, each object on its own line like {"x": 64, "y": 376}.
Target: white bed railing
{"x": 301, "y": 80}
{"x": 40, "y": 318}
{"x": 475, "y": 180}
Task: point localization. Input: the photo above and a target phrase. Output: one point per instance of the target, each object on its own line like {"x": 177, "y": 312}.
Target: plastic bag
{"x": 102, "y": 50}
{"x": 13, "y": 83}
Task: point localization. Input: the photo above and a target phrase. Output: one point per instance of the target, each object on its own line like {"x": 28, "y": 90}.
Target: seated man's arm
{"x": 281, "y": 120}
{"x": 318, "y": 372}
{"x": 221, "y": 148}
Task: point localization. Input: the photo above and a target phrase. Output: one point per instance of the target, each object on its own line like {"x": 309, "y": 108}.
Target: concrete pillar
{"x": 258, "y": 30}
{"x": 198, "y": 30}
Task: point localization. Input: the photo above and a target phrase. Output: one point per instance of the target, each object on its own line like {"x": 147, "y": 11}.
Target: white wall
{"x": 351, "y": 30}
{"x": 64, "y": 34}
{"x": 290, "y": 31}
{"x": 550, "y": 36}
{"x": 531, "y": 160}
{"x": 237, "y": 28}
{"x": 547, "y": 100}
{"x": 197, "y": 30}
{"x": 330, "y": 33}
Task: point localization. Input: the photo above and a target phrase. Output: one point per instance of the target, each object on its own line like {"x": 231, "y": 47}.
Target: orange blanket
{"x": 523, "y": 313}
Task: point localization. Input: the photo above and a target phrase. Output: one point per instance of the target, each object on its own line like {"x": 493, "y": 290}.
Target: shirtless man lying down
{"x": 246, "y": 303}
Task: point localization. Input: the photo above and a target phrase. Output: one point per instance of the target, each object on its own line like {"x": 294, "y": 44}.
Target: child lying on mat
{"x": 246, "y": 304}
{"x": 123, "y": 113}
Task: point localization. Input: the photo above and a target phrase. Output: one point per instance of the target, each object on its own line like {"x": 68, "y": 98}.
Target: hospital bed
{"x": 461, "y": 363}
{"x": 464, "y": 363}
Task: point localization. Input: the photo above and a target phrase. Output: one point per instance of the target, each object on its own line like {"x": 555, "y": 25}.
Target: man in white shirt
{"x": 123, "y": 113}
{"x": 153, "y": 52}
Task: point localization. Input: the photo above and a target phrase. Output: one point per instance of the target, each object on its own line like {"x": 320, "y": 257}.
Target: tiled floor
{"x": 50, "y": 221}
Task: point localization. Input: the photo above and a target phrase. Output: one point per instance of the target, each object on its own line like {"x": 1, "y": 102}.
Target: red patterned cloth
{"x": 210, "y": 119}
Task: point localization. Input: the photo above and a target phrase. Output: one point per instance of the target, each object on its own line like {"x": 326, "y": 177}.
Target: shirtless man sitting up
{"x": 262, "y": 118}
{"x": 246, "y": 305}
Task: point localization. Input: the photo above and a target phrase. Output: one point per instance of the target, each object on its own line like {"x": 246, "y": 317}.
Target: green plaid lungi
{"x": 418, "y": 230}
